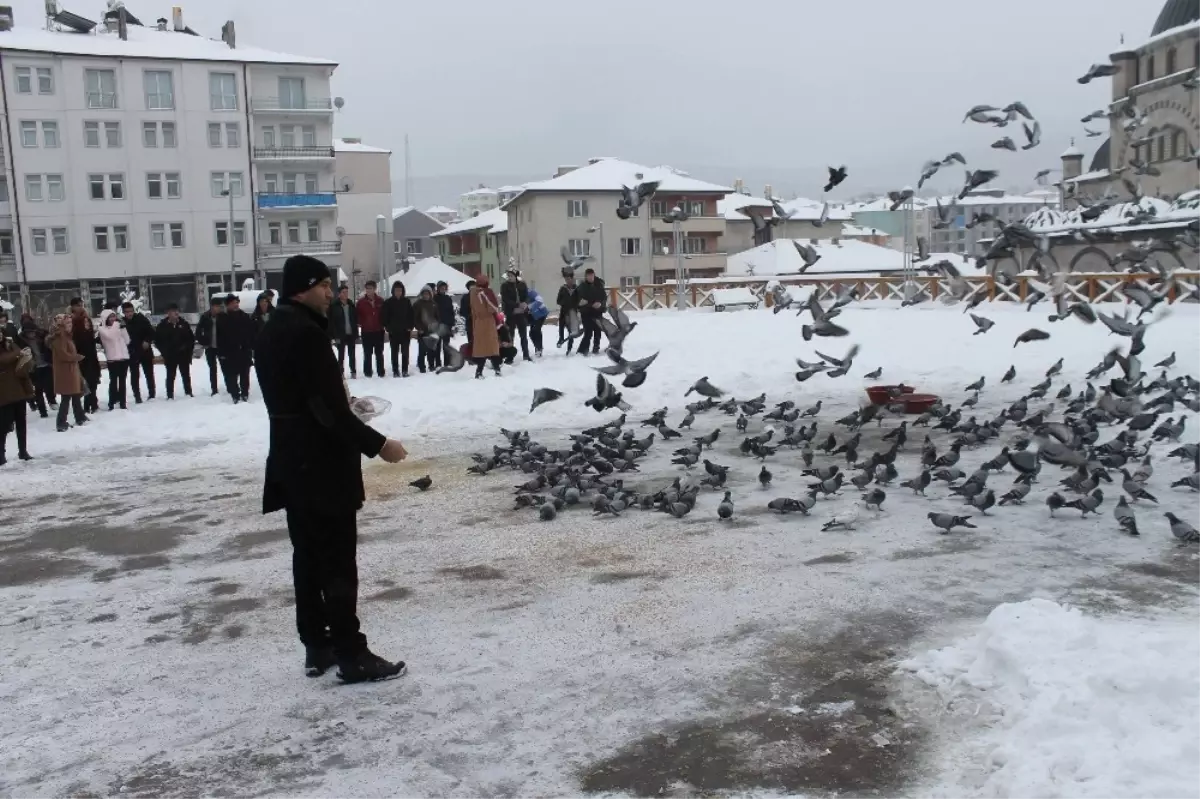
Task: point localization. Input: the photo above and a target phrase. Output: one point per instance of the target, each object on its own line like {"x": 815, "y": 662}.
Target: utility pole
{"x": 676, "y": 217}
{"x": 381, "y": 245}
{"x": 232, "y": 254}
{"x": 599, "y": 228}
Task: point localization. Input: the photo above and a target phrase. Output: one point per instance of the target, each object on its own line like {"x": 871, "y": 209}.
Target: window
{"x": 1170, "y": 61}
{"x": 631, "y": 246}
{"x": 221, "y": 181}
{"x": 158, "y": 235}
{"x": 293, "y": 232}
{"x": 112, "y": 134}
{"x": 271, "y": 183}
{"x": 291, "y": 93}
{"x": 268, "y": 136}
{"x": 45, "y": 77}
{"x": 174, "y": 185}
{"x": 235, "y": 184}
{"x": 239, "y": 234}
{"x": 310, "y": 182}
{"x": 289, "y": 182}
{"x": 412, "y": 246}
{"x": 658, "y": 208}
{"x": 24, "y": 80}
{"x": 1150, "y": 67}
{"x": 692, "y": 207}
{"x": 695, "y": 245}
{"x": 662, "y": 245}
{"x": 577, "y": 208}
{"x": 28, "y": 134}
{"x": 149, "y": 134}
{"x": 222, "y": 233}
{"x": 218, "y": 183}
{"x": 101, "y": 88}
{"x": 54, "y": 189}
{"x": 33, "y": 188}
{"x": 214, "y": 134}
{"x": 275, "y": 233}
{"x": 116, "y": 186}
{"x": 287, "y": 135}
{"x": 168, "y": 134}
{"x": 309, "y": 135}
{"x": 154, "y": 185}
{"x": 160, "y": 93}
{"x": 6, "y": 242}
{"x": 630, "y": 282}
{"x": 96, "y": 187}
{"x": 58, "y": 235}
{"x": 176, "y": 229}
{"x": 100, "y": 238}
{"x": 580, "y": 247}
{"x": 91, "y": 134}
{"x": 37, "y": 240}
{"x": 50, "y": 134}
{"x": 222, "y": 91}
{"x": 314, "y": 230}
{"x": 233, "y": 135}
{"x": 120, "y": 237}
{"x": 3, "y": 190}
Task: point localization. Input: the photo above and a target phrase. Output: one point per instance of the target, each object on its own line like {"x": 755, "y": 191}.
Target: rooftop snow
{"x": 440, "y": 209}
{"x": 730, "y": 205}
{"x": 145, "y": 43}
{"x": 854, "y": 231}
{"x": 399, "y": 212}
{"x": 1192, "y": 26}
{"x": 610, "y": 174}
{"x": 1185, "y": 210}
{"x": 428, "y": 271}
{"x": 803, "y": 210}
{"x": 807, "y": 210}
{"x": 493, "y": 221}
{"x": 343, "y": 146}
{"x": 481, "y": 191}
{"x": 780, "y": 257}
{"x": 1086, "y": 176}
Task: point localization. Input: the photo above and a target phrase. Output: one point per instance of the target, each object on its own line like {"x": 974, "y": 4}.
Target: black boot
{"x": 318, "y": 660}
{"x": 368, "y": 667}
{"x": 24, "y": 455}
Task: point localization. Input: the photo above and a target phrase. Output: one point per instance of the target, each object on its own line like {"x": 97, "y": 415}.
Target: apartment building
{"x": 577, "y": 208}
{"x": 476, "y": 246}
{"x": 154, "y": 157}
{"x": 998, "y": 207}
{"x": 412, "y": 231}
{"x": 477, "y": 201}
{"x": 364, "y": 205}
{"x": 447, "y": 216}
{"x": 801, "y": 222}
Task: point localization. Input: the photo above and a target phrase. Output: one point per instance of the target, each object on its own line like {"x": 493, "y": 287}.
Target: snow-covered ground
{"x": 150, "y": 644}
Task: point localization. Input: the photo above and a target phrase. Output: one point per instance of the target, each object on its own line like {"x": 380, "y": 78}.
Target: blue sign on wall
{"x": 960, "y": 221}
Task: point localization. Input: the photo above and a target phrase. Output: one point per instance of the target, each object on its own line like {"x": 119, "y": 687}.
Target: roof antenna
{"x": 1122, "y": 38}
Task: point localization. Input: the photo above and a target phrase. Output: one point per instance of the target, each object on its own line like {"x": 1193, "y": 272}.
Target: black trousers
{"x": 12, "y": 416}
{"x": 184, "y": 368}
{"x": 325, "y": 575}
{"x": 535, "y": 334}
{"x": 591, "y": 334}
{"x": 562, "y": 325}
{"x": 65, "y": 404}
{"x": 142, "y": 363}
{"x": 518, "y": 325}
{"x": 117, "y": 370}
{"x": 346, "y": 344}
{"x": 43, "y": 389}
{"x": 399, "y": 342}
{"x": 480, "y": 362}
{"x": 213, "y": 362}
{"x": 237, "y": 375}
{"x": 428, "y": 357}
{"x": 373, "y": 345}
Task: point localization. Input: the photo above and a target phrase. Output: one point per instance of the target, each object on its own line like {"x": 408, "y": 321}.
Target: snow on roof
{"x": 440, "y": 209}
{"x": 1072, "y": 152}
{"x": 729, "y": 206}
{"x": 780, "y": 257}
{"x": 425, "y": 272}
{"x": 493, "y": 221}
{"x": 998, "y": 199}
{"x": 411, "y": 209}
{"x": 802, "y": 209}
{"x": 144, "y": 42}
{"x": 856, "y": 232}
{"x": 883, "y": 204}
{"x": 1150, "y": 213}
{"x": 610, "y": 174}
{"x": 343, "y": 146}
{"x": 1169, "y": 32}
{"x": 509, "y": 189}
{"x": 482, "y": 191}
{"x": 807, "y": 210}
{"x": 1086, "y": 176}
{"x": 399, "y": 212}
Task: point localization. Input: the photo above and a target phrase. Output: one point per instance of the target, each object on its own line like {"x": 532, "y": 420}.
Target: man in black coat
{"x": 446, "y": 316}
{"x": 514, "y": 301}
{"x": 592, "y": 298}
{"x": 568, "y": 302}
{"x": 206, "y": 336}
{"x": 141, "y": 354}
{"x": 175, "y": 341}
{"x": 235, "y": 348}
{"x": 314, "y": 472}
{"x": 398, "y": 322}
{"x": 343, "y": 327}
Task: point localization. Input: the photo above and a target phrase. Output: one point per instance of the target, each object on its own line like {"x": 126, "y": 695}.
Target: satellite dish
{"x": 338, "y": 102}
{"x": 346, "y": 183}
{"x": 340, "y": 231}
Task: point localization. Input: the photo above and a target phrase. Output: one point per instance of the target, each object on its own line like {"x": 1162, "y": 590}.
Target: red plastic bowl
{"x": 919, "y": 403}
{"x": 880, "y": 395}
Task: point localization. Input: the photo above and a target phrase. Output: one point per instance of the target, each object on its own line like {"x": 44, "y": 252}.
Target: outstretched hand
{"x": 393, "y": 451}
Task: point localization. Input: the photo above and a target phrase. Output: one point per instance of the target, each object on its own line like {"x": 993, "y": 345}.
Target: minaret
{"x": 1072, "y": 167}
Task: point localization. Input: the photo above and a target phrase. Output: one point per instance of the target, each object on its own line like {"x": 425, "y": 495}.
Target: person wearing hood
{"x": 537, "y": 317}
{"x": 425, "y": 321}
{"x": 34, "y": 337}
{"x": 83, "y": 334}
{"x": 141, "y": 354}
{"x": 16, "y": 389}
{"x": 485, "y": 320}
{"x": 175, "y": 341}
{"x": 514, "y": 301}
{"x": 398, "y": 322}
{"x": 69, "y": 384}
{"x": 263, "y": 309}
{"x": 446, "y": 317}
{"x": 116, "y": 343}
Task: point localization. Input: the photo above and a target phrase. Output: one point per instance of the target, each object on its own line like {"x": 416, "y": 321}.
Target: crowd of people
{"x": 58, "y": 369}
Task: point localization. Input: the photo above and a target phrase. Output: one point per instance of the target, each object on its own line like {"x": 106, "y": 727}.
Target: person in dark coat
{"x": 263, "y": 309}
{"x": 398, "y": 322}
{"x": 7, "y": 327}
{"x": 370, "y": 325}
{"x": 425, "y": 321}
{"x": 314, "y": 472}
{"x": 235, "y": 348}
{"x": 206, "y": 336}
{"x": 141, "y": 354}
{"x": 16, "y": 389}
{"x": 568, "y": 301}
{"x": 175, "y": 341}
{"x": 83, "y": 334}
{"x": 514, "y": 302}
{"x": 343, "y": 328}
{"x": 464, "y": 310}
{"x": 592, "y": 298}
{"x": 446, "y": 317}
{"x": 34, "y": 337}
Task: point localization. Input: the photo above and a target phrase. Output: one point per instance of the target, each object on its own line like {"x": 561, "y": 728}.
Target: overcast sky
{"x": 504, "y": 87}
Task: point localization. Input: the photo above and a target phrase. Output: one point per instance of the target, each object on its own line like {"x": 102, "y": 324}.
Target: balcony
{"x": 284, "y": 200}
{"x": 694, "y": 224}
{"x": 8, "y": 259}
{"x": 292, "y": 105}
{"x": 282, "y": 250}
{"x": 310, "y": 153}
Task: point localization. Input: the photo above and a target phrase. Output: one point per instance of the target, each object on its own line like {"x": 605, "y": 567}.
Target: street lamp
{"x": 381, "y": 244}
{"x": 675, "y": 218}
{"x": 232, "y": 254}
{"x": 599, "y": 228}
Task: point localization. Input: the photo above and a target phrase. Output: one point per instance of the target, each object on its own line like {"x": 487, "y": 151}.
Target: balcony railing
{"x": 8, "y": 259}
{"x": 297, "y": 248}
{"x": 293, "y": 153}
{"x": 291, "y": 104}
{"x": 293, "y": 200}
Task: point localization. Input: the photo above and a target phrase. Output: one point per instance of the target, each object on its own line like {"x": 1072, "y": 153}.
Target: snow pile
{"x": 1058, "y": 703}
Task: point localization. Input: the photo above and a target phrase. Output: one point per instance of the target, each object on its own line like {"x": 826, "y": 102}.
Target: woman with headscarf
{"x": 115, "y": 341}
{"x": 68, "y": 380}
{"x": 485, "y": 340}
{"x": 16, "y": 389}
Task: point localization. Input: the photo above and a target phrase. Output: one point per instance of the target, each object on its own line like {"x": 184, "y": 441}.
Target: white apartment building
{"x": 138, "y": 155}
{"x": 477, "y": 201}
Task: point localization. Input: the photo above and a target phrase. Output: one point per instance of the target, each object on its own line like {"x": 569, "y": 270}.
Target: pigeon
{"x": 874, "y": 498}
{"x": 823, "y": 328}
{"x": 606, "y": 397}
{"x": 1125, "y": 517}
{"x": 423, "y": 483}
{"x": 1055, "y": 369}
{"x": 948, "y": 521}
{"x": 1087, "y": 504}
{"x": 572, "y": 262}
{"x": 1099, "y": 71}
{"x": 764, "y": 477}
{"x": 984, "y": 500}
{"x": 874, "y": 374}
{"x": 836, "y": 176}
{"x": 808, "y": 254}
{"x": 454, "y": 361}
{"x": 1009, "y": 375}
{"x": 844, "y": 520}
{"x": 1055, "y": 501}
{"x": 542, "y": 396}
{"x": 983, "y": 325}
{"x": 1017, "y": 493}
{"x": 1005, "y": 144}
{"x": 547, "y": 512}
{"x": 1032, "y": 334}
{"x": 1166, "y": 363}
{"x": 977, "y": 385}
{"x": 1192, "y": 481}
{"x": 704, "y": 388}
{"x": 975, "y": 179}
{"x": 1185, "y": 532}
{"x": 632, "y": 199}
{"x": 1033, "y": 135}
{"x": 725, "y": 508}
{"x": 1135, "y": 489}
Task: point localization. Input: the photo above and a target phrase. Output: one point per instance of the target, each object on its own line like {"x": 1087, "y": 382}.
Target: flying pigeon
{"x": 823, "y": 328}
{"x": 1032, "y": 334}
{"x": 542, "y": 396}
{"x": 983, "y": 325}
{"x": 704, "y": 388}
{"x": 899, "y": 198}
{"x": 976, "y": 179}
{"x": 1041, "y": 174}
{"x": 1017, "y": 107}
{"x": 808, "y": 254}
{"x": 423, "y": 483}
{"x": 1005, "y": 144}
{"x": 632, "y": 199}
{"x": 1033, "y": 135}
{"x": 836, "y": 176}
{"x": 1099, "y": 71}
{"x": 572, "y": 262}
{"x": 1091, "y": 134}
{"x": 606, "y": 396}
{"x": 822, "y": 218}
{"x": 948, "y": 521}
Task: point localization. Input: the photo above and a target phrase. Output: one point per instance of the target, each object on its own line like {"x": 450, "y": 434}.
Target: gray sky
{"x": 487, "y": 87}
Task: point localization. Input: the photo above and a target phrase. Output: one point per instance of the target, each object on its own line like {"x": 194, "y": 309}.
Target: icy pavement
{"x": 149, "y": 629}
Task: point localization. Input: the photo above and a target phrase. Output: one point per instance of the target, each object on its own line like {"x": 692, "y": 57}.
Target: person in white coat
{"x": 115, "y": 341}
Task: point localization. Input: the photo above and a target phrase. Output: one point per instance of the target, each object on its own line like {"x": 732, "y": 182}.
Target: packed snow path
{"x": 149, "y": 627}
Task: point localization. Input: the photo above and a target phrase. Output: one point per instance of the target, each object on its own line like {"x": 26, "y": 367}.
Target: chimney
{"x": 228, "y": 34}
{"x": 767, "y": 192}
{"x": 349, "y": 140}
{"x": 177, "y": 19}
{"x": 562, "y": 170}
{"x": 162, "y": 23}
{"x": 6, "y": 18}
{"x": 738, "y": 186}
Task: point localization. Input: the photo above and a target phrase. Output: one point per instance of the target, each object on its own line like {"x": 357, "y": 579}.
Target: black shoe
{"x": 404, "y": 374}
{"x": 496, "y": 369}
{"x": 81, "y": 422}
{"x": 236, "y": 399}
{"x": 150, "y": 396}
{"x": 245, "y": 398}
{"x": 3, "y": 460}
{"x": 124, "y": 407}
{"x": 318, "y": 660}
{"x": 526, "y": 358}
{"x": 62, "y": 428}
{"x": 368, "y": 667}
{"x": 170, "y": 396}
{"x": 188, "y": 393}
{"x": 137, "y": 400}
{"x": 45, "y": 415}
{"x": 25, "y": 456}
{"x": 215, "y": 393}
{"x": 111, "y": 406}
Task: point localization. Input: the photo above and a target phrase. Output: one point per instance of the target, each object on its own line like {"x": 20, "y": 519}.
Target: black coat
{"x": 204, "y": 329}
{"x": 512, "y": 294}
{"x": 425, "y": 316}
{"x": 397, "y": 315}
{"x": 261, "y": 318}
{"x": 235, "y": 334}
{"x": 317, "y": 443}
{"x": 337, "y": 320}
{"x": 140, "y": 331}
{"x": 445, "y": 309}
{"x": 590, "y": 293}
{"x": 174, "y": 341}
{"x": 568, "y": 298}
